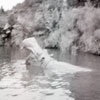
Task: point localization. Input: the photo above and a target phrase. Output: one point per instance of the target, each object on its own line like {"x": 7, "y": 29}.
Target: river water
{"x": 19, "y": 83}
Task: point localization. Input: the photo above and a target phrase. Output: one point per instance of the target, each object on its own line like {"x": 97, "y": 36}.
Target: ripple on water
{"x": 16, "y": 84}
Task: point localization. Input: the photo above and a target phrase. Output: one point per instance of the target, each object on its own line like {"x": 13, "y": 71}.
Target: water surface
{"x": 16, "y": 82}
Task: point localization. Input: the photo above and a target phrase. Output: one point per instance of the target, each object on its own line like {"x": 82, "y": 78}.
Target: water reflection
{"x": 84, "y": 86}
{"x": 16, "y": 82}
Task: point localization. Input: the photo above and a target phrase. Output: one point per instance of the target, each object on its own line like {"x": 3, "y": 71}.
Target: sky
{"x": 8, "y": 4}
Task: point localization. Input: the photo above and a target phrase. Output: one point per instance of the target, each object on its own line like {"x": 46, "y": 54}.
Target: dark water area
{"x": 84, "y": 86}
{"x": 8, "y": 54}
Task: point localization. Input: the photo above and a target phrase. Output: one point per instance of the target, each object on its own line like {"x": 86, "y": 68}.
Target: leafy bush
{"x": 67, "y": 26}
{"x": 12, "y": 19}
{"x": 78, "y": 27}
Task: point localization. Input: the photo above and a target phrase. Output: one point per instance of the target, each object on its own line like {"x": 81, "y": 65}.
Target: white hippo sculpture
{"x": 47, "y": 62}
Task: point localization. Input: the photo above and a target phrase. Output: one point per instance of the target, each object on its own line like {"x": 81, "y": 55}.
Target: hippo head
{"x": 32, "y": 45}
